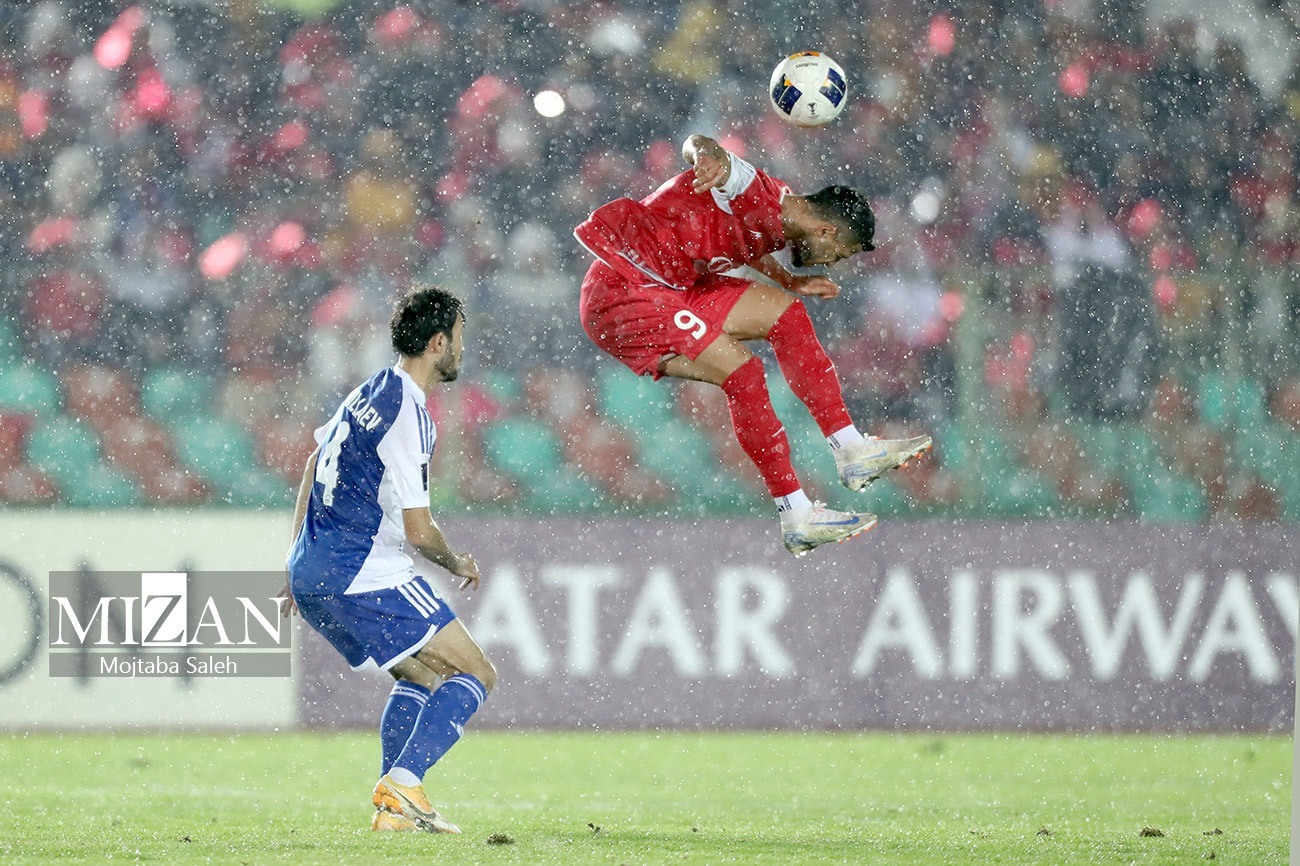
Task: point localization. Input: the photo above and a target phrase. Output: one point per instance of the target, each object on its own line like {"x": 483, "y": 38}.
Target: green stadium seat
{"x": 720, "y": 495}
{"x": 1290, "y": 489}
{"x": 716, "y": 493}
{"x": 218, "y": 450}
{"x": 1267, "y": 448}
{"x": 1139, "y": 457}
{"x": 98, "y": 486}
{"x": 563, "y": 491}
{"x": 1160, "y": 496}
{"x": 501, "y": 385}
{"x": 983, "y": 460}
{"x": 882, "y": 498}
{"x": 254, "y": 488}
{"x": 172, "y": 395}
{"x": 679, "y": 453}
{"x": 1103, "y": 446}
{"x": 1223, "y": 400}
{"x": 1252, "y": 403}
{"x": 955, "y": 447}
{"x": 635, "y": 402}
{"x": 524, "y": 448}
{"x": 1213, "y": 400}
{"x": 25, "y": 388}
{"x": 11, "y": 351}
{"x": 63, "y": 448}
{"x": 1021, "y": 493}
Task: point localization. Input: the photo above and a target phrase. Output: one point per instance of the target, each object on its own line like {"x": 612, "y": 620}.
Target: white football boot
{"x": 801, "y": 531}
{"x": 859, "y": 465}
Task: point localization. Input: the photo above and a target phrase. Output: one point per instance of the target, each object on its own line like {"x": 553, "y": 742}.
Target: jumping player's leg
{"x": 809, "y": 371}
{"x": 773, "y": 315}
{"x": 734, "y": 368}
{"x": 696, "y": 334}
{"x": 764, "y": 312}
{"x": 725, "y": 362}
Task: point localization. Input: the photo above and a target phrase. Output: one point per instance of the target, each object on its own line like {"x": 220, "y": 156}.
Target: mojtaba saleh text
{"x": 130, "y": 667}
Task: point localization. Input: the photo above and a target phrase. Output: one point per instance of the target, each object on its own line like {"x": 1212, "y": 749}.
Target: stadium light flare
{"x": 286, "y": 239}
{"x": 113, "y": 47}
{"x": 220, "y": 260}
{"x": 951, "y": 305}
{"x": 942, "y": 35}
{"x": 34, "y": 113}
{"x": 925, "y": 207}
{"x": 1074, "y": 80}
{"x": 549, "y": 103}
{"x": 1165, "y": 291}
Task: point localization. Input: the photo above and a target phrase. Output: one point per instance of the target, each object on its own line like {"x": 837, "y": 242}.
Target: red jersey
{"x": 676, "y": 237}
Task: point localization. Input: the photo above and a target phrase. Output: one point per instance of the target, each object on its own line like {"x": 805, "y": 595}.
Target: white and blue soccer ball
{"x": 808, "y": 89}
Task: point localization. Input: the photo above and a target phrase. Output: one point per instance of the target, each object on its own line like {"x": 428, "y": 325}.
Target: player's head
{"x": 840, "y": 224}
{"x": 430, "y": 319}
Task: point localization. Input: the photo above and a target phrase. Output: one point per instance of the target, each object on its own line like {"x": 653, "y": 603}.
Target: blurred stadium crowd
{"x": 1087, "y": 287}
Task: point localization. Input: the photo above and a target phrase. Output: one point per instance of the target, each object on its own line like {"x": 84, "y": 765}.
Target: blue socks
{"x": 440, "y": 723}
{"x": 405, "y": 702}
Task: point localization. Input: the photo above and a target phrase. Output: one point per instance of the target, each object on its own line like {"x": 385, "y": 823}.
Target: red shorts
{"x": 643, "y": 325}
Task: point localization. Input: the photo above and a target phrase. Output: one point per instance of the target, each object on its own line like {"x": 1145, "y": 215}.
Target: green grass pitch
{"x": 654, "y": 798}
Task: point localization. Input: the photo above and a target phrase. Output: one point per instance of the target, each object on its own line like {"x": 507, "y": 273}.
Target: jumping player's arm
{"x": 743, "y": 190}
{"x": 716, "y": 169}
{"x": 814, "y": 285}
{"x": 288, "y": 606}
{"x": 425, "y": 536}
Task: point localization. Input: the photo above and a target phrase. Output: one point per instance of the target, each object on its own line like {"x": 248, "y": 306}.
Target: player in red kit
{"x": 657, "y": 299}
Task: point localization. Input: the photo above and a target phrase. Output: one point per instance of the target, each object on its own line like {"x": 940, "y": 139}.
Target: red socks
{"x": 808, "y": 370}
{"x": 759, "y": 430}
{"x": 811, "y": 377}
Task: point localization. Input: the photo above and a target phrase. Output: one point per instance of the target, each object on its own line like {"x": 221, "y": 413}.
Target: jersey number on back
{"x": 327, "y": 468}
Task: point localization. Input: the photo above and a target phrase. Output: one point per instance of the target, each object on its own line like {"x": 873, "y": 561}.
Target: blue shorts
{"x": 378, "y": 629}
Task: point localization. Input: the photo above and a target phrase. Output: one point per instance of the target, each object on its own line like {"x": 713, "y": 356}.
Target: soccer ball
{"x": 808, "y": 89}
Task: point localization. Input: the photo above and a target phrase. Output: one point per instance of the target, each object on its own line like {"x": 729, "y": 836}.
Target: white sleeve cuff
{"x": 742, "y": 175}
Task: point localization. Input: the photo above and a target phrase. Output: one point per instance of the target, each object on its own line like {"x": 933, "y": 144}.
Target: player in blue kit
{"x": 364, "y": 498}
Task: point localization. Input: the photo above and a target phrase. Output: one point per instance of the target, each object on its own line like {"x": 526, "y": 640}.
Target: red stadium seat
{"x": 13, "y": 433}
{"x": 169, "y": 485}
{"x": 144, "y": 451}
{"x": 284, "y": 446}
{"x": 100, "y": 395}
{"x": 137, "y": 446}
{"x": 26, "y": 485}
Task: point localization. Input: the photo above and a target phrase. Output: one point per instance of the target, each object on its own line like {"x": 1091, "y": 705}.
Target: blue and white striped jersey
{"x": 373, "y": 463}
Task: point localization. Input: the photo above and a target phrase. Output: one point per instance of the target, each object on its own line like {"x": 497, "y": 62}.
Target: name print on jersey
{"x": 359, "y": 408}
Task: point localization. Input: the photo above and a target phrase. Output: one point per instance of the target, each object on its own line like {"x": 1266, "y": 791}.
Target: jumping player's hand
{"x": 466, "y": 569}
{"x": 288, "y": 607}
{"x": 710, "y": 171}
{"x": 816, "y": 286}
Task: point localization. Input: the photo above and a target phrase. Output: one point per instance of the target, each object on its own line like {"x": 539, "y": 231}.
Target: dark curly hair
{"x": 847, "y": 207}
{"x": 417, "y": 317}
